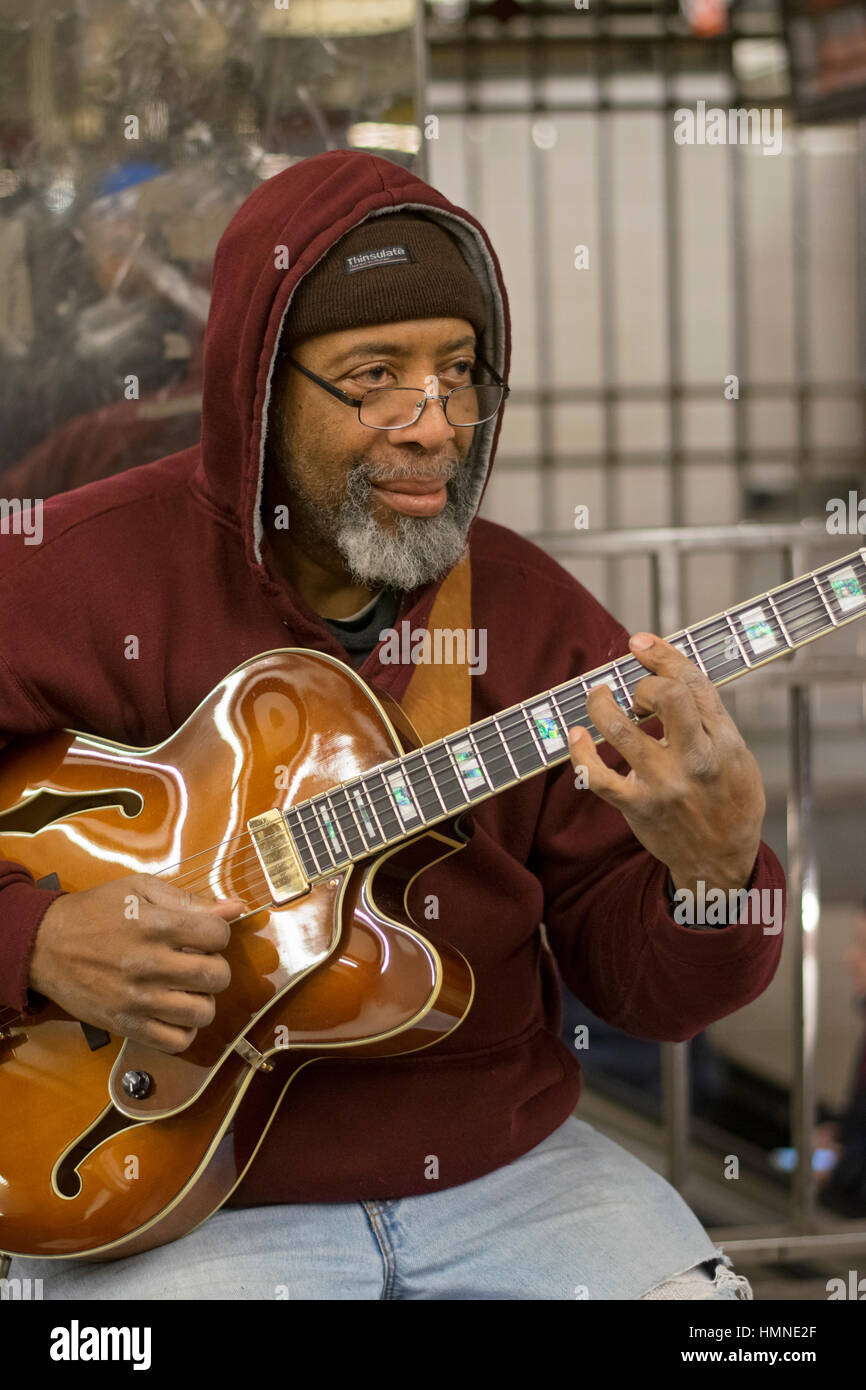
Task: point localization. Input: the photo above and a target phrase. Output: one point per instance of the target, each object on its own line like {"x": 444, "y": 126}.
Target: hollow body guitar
{"x": 293, "y": 788}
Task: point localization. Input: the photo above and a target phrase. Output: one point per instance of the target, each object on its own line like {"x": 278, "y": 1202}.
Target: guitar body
{"x": 88, "y": 1171}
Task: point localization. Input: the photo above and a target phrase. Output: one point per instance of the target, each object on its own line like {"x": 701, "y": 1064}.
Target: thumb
{"x": 229, "y": 908}
{"x": 163, "y": 893}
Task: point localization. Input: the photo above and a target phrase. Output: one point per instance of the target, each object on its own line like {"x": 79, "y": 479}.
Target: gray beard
{"x": 416, "y": 550}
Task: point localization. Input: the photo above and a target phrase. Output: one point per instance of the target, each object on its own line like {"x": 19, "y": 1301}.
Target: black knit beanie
{"x": 392, "y": 267}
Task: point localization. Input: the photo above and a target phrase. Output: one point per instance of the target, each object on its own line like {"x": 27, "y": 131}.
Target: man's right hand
{"x": 150, "y": 977}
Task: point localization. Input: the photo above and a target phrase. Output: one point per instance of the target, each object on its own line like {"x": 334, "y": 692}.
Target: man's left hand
{"x": 694, "y": 798}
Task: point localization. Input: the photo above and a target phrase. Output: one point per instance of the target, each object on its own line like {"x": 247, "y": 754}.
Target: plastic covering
{"x": 130, "y": 132}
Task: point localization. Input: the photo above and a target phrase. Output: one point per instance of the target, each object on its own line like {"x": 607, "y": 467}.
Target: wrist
{"x": 727, "y": 877}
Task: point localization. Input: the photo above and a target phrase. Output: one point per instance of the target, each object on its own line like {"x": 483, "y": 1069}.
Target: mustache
{"x": 440, "y": 473}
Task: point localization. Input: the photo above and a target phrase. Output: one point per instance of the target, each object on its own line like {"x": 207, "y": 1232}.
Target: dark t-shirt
{"x": 360, "y": 635}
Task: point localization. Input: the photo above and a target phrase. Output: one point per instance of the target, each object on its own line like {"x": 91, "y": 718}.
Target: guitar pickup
{"x": 277, "y": 855}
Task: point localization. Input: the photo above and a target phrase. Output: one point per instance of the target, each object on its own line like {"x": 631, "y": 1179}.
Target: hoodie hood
{"x": 292, "y": 220}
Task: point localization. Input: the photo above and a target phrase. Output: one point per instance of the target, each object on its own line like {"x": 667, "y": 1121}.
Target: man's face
{"x": 381, "y": 506}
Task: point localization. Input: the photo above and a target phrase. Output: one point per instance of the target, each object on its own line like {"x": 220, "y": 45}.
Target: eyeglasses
{"x": 396, "y": 407}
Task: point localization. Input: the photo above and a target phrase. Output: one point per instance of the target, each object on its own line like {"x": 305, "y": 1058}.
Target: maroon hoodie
{"x": 172, "y": 552}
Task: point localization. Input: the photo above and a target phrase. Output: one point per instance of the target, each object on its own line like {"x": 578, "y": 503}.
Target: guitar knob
{"x": 137, "y": 1084}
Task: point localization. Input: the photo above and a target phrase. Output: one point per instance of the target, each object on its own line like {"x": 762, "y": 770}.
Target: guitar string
{"x": 438, "y": 760}
{"x": 813, "y": 598}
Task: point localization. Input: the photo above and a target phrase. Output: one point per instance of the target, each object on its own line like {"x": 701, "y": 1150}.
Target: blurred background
{"x": 689, "y": 367}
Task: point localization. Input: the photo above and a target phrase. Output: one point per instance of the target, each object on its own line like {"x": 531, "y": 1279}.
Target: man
{"x": 460, "y": 1171}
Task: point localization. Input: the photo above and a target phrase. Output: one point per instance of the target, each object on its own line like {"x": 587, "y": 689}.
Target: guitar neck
{"x": 396, "y": 799}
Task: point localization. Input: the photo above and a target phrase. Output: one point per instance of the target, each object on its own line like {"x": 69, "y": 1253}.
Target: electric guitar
{"x": 294, "y": 788}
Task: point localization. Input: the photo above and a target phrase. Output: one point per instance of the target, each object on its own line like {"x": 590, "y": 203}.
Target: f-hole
{"x": 47, "y": 807}
{"x": 67, "y": 1180}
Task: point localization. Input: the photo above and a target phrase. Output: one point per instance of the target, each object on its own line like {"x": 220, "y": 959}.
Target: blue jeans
{"x": 578, "y": 1217}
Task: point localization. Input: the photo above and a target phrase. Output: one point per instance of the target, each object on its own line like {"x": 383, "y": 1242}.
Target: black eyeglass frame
{"x": 357, "y": 403}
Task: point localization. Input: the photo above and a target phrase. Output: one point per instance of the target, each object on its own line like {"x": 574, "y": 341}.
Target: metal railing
{"x": 665, "y": 549}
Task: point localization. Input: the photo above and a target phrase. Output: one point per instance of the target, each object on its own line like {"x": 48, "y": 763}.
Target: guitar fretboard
{"x": 399, "y": 797}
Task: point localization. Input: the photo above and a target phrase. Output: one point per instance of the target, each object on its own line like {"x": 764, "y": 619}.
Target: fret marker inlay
{"x": 847, "y": 588}
{"x": 405, "y": 804}
{"x": 467, "y": 764}
{"x": 546, "y": 727}
{"x": 758, "y": 630}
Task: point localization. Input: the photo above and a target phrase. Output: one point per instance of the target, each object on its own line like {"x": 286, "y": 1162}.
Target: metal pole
{"x": 422, "y": 78}
{"x": 674, "y": 1056}
{"x": 805, "y": 909}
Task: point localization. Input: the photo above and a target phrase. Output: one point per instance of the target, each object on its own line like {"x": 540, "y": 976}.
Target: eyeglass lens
{"x": 393, "y": 406}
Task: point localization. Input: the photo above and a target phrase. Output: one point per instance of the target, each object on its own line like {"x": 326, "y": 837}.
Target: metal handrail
{"x": 666, "y": 547}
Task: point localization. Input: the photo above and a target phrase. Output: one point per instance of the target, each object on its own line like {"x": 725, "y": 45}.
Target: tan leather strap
{"x": 438, "y": 698}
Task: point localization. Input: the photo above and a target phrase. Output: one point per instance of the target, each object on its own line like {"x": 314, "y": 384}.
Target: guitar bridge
{"x": 277, "y": 855}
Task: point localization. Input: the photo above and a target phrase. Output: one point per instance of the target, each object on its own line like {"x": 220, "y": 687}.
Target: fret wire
{"x": 805, "y": 599}
{"x": 479, "y": 759}
{"x": 505, "y": 746}
{"x": 433, "y": 781}
{"x": 337, "y": 846}
{"x": 342, "y": 829}
{"x": 334, "y": 842}
{"x": 812, "y": 609}
{"x": 712, "y": 638}
{"x": 361, "y": 787}
{"x": 313, "y": 852}
{"x": 292, "y": 811}
{"x": 579, "y": 717}
{"x": 318, "y": 811}
{"x": 811, "y": 599}
{"x": 390, "y": 799}
{"x": 465, "y": 736}
{"x": 407, "y": 782}
{"x": 778, "y": 616}
{"x": 623, "y": 686}
{"x": 498, "y": 756}
{"x": 744, "y": 654}
{"x": 447, "y": 763}
{"x": 518, "y": 736}
{"x": 638, "y": 671}
{"x": 315, "y": 814}
{"x": 812, "y": 596}
{"x": 831, "y": 614}
{"x": 301, "y": 849}
{"x": 694, "y": 648}
{"x": 454, "y": 768}
{"x": 536, "y": 740}
{"x": 559, "y": 714}
{"x": 358, "y": 825}
{"x": 520, "y": 740}
{"x": 342, "y": 823}
{"x": 366, "y": 784}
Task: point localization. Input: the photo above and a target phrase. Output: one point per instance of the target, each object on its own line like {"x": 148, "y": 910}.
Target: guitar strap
{"x": 438, "y": 698}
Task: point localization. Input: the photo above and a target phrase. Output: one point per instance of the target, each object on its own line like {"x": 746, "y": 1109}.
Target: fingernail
{"x": 641, "y": 642}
